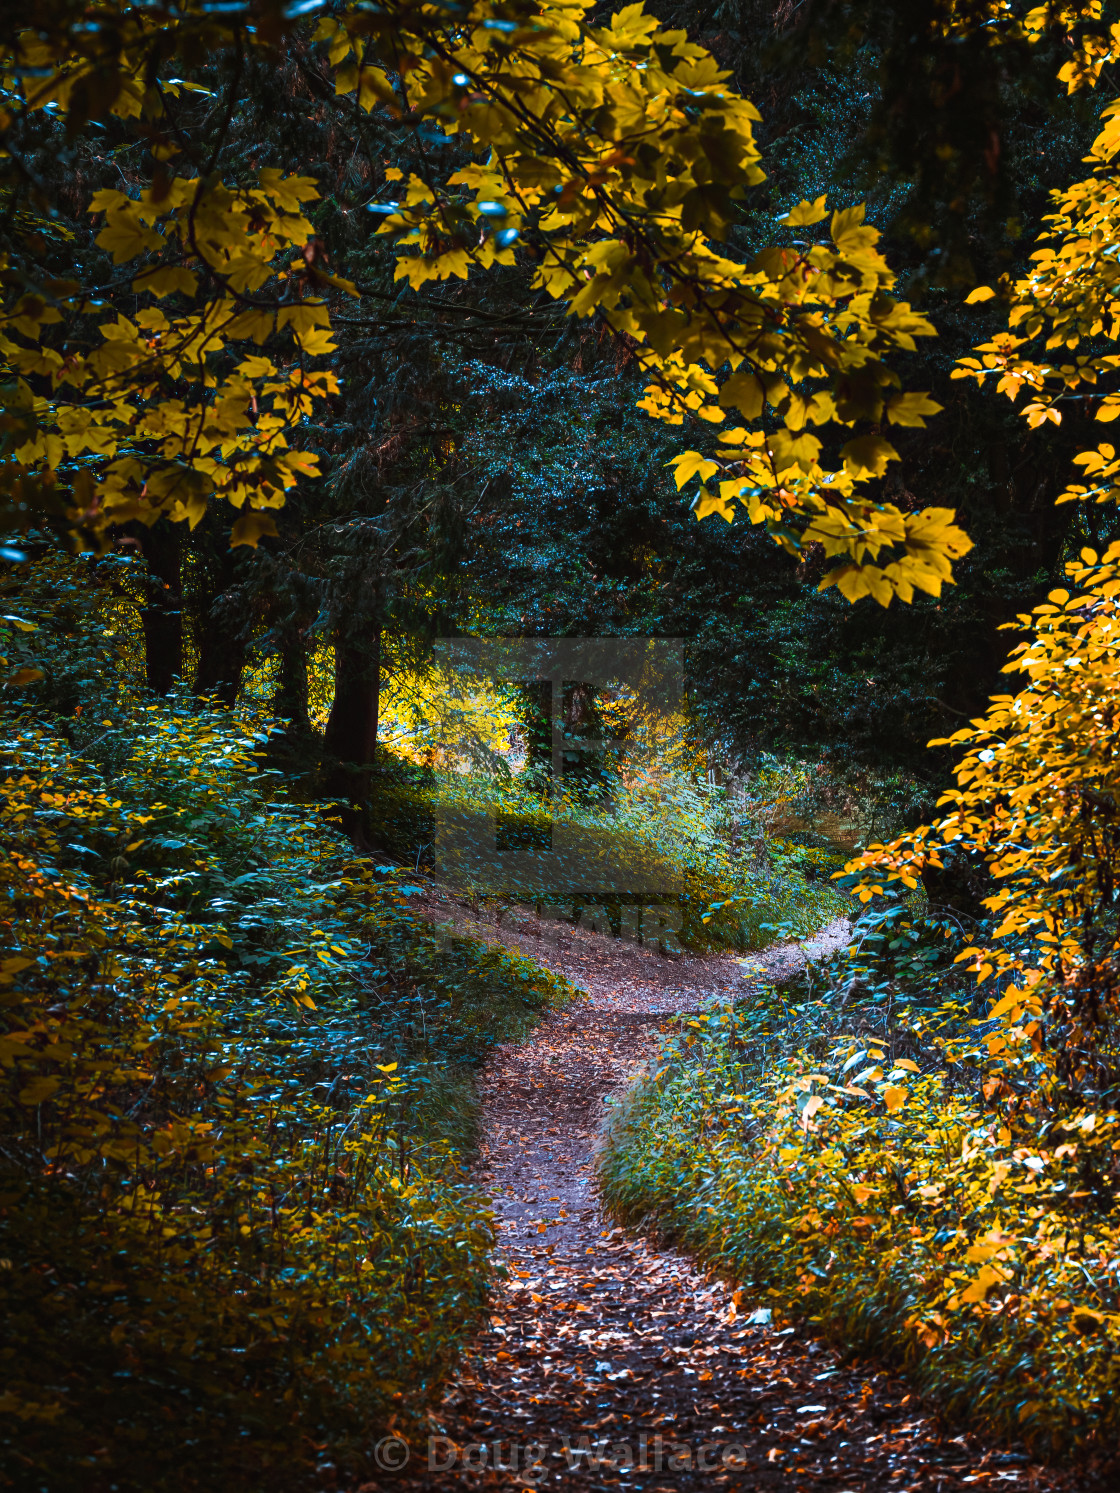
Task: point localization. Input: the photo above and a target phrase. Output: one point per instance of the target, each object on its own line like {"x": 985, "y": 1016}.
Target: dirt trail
{"x": 608, "y": 1363}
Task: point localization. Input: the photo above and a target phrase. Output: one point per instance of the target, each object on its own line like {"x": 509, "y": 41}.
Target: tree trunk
{"x": 584, "y": 761}
{"x": 290, "y": 700}
{"x": 535, "y": 716}
{"x": 219, "y": 614}
{"x": 351, "y": 734}
{"x": 221, "y": 663}
{"x": 162, "y": 618}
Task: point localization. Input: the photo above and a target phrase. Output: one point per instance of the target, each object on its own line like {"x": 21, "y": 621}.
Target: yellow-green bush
{"x": 673, "y": 835}
{"x": 236, "y": 1228}
{"x": 948, "y": 1193}
{"x": 906, "y": 1219}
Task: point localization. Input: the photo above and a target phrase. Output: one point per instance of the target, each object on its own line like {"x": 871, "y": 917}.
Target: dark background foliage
{"x": 485, "y": 468}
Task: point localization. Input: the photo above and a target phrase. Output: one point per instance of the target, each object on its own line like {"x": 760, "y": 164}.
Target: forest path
{"x": 608, "y": 1363}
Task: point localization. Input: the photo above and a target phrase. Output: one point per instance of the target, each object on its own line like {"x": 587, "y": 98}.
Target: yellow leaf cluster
{"x": 1037, "y": 798}
{"x": 615, "y": 155}
{"x": 145, "y": 420}
{"x": 1065, "y": 312}
{"x": 611, "y": 158}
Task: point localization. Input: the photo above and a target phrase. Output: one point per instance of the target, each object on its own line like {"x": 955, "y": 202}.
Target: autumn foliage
{"x": 928, "y": 1166}
{"x": 235, "y": 1068}
{"x": 232, "y": 1085}
{"x": 608, "y": 159}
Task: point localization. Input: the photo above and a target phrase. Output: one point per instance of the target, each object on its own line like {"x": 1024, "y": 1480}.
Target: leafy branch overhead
{"x": 152, "y": 399}
{"x": 609, "y": 159}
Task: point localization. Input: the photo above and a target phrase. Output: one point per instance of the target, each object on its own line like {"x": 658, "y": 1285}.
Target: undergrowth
{"x": 921, "y": 1150}
{"x": 609, "y": 806}
{"x": 237, "y": 1235}
{"x": 674, "y": 843}
{"x": 835, "y": 1145}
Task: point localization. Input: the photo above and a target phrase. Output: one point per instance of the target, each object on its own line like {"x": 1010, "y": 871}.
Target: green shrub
{"x": 235, "y": 1090}
{"x": 867, "y": 1186}
{"x": 675, "y": 836}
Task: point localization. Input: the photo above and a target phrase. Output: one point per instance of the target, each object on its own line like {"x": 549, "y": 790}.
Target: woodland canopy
{"x": 332, "y": 330}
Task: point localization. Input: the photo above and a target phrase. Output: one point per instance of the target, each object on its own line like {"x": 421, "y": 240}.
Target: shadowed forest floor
{"x": 608, "y": 1363}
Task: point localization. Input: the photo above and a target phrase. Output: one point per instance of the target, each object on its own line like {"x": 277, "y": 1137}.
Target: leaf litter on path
{"x": 608, "y": 1363}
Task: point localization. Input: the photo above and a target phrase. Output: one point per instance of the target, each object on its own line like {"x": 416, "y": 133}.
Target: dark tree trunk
{"x": 221, "y": 626}
{"x": 583, "y": 760}
{"x": 221, "y": 662}
{"x": 535, "y": 712}
{"x": 290, "y": 700}
{"x": 162, "y": 617}
{"x": 351, "y": 735}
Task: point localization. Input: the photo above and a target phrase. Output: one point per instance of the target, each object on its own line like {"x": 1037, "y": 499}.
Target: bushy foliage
{"x": 922, "y": 1168}
{"x": 555, "y": 116}
{"x": 645, "y": 812}
{"x": 875, "y": 1194}
{"x": 234, "y": 1214}
{"x": 920, "y": 1165}
{"x": 1036, "y": 803}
